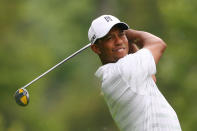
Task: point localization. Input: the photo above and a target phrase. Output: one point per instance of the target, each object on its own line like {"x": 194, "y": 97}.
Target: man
{"x": 127, "y": 75}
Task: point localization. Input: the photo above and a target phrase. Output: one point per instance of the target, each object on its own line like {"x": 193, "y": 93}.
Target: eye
{"x": 109, "y": 37}
{"x": 121, "y": 33}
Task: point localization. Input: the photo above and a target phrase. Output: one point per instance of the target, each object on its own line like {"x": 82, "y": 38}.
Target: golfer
{"x": 129, "y": 59}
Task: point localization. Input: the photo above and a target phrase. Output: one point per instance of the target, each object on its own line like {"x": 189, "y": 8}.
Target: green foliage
{"x": 35, "y": 35}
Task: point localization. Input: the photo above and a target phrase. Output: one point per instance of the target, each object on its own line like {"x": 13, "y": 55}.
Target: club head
{"x": 22, "y": 97}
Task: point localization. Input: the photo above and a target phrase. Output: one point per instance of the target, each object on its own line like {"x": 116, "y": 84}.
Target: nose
{"x": 118, "y": 41}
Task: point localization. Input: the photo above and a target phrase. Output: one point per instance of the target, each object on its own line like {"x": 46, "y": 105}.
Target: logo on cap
{"x": 93, "y": 38}
{"x": 108, "y": 19}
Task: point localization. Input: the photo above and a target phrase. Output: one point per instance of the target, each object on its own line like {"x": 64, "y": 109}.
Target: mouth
{"x": 120, "y": 49}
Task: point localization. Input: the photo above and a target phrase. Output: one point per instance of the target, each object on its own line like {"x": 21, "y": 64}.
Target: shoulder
{"x": 137, "y": 64}
{"x": 144, "y": 52}
{"x": 129, "y": 65}
{"x": 135, "y": 59}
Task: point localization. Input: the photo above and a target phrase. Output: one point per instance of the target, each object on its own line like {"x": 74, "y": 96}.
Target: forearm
{"x": 141, "y": 38}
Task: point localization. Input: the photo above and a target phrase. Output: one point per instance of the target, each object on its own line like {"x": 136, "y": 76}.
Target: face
{"x": 112, "y": 47}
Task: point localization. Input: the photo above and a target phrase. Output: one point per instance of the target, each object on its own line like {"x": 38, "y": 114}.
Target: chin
{"x": 120, "y": 56}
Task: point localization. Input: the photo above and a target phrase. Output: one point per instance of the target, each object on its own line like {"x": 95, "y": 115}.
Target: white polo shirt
{"x": 132, "y": 96}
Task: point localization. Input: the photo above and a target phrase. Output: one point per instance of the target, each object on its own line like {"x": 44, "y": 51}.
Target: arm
{"x": 147, "y": 40}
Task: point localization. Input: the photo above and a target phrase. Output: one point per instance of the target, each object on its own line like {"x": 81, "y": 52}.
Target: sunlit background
{"x": 37, "y": 34}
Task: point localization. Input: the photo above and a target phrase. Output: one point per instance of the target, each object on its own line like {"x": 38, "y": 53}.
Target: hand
{"x": 133, "y": 48}
{"x": 132, "y": 43}
{"x": 154, "y": 78}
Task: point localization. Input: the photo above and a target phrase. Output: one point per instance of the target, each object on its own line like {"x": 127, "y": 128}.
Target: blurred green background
{"x": 35, "y": 35}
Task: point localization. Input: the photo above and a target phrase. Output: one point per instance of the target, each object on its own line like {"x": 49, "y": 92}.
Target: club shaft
{"x": 57, "y": 65}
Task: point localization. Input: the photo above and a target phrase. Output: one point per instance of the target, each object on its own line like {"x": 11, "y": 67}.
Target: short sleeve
{"x": 138, "y": 66}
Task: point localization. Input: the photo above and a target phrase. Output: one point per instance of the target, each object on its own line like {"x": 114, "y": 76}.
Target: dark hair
{"x": 97, "y": 41}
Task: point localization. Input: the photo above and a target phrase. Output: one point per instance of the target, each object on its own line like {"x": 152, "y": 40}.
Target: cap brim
{"x": 121, "y": 25}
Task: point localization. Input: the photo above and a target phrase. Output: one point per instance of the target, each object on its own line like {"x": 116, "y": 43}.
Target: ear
{"x": 96, "y": 49}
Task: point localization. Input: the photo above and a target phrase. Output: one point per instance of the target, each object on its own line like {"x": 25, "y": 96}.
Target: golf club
{"x": 22, "y": 95}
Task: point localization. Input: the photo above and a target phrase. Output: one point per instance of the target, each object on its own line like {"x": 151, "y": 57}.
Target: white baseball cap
{"x": 102, "y": 25}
